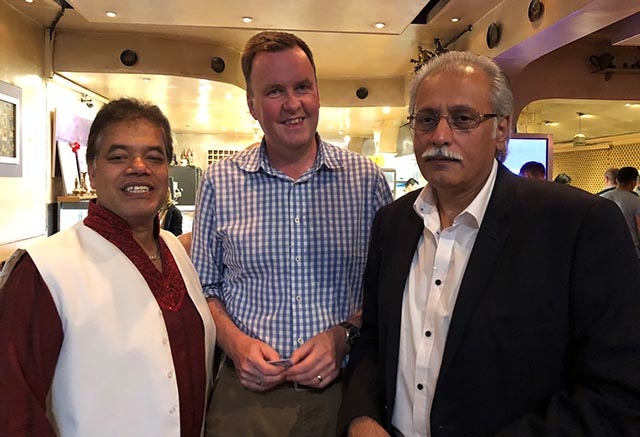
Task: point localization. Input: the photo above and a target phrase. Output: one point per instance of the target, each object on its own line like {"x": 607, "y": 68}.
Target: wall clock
{"x": 493, "y": 35}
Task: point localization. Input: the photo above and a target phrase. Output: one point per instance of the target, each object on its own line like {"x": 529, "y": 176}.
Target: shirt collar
{"x": 255, "y": 158}
{"x": 426, "y": 208}
{"x": 108, "y": 224}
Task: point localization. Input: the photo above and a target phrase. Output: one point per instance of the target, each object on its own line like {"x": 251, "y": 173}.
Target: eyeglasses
{"x": 458, "y": 119}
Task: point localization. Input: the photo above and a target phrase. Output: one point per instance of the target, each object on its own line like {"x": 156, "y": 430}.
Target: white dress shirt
{"x": 429, "y": 298}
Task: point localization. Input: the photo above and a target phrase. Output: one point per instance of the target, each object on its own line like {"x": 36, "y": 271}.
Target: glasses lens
{"x": 464, "y": 119}
{"x": 425, "y": 121}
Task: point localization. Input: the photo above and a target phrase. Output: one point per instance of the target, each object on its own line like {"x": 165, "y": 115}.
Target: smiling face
{"x": 458, "y": 162}
{"x": 131, "y": 171}
{"x": 284, "y": 99}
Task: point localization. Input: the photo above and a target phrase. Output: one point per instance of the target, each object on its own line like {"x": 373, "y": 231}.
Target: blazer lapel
{"x": 404, "y": 228}
{"x": 491, "y": 238}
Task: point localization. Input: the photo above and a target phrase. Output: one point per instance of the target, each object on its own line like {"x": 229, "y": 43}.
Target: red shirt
{"x": 31, "y": 335}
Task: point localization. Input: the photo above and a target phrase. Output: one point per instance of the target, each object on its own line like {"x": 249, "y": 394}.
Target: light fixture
{"x": 550, "y": 123}
{"x": 146, "y": 79}
{"x": 386, "y": 110}
{"x": 28, "y": 1}
{"x": 347, "y": 138}
{"x": 247, "y": 19}
{"x": 380, "y": 25}
{"x": 111, "y": 14}
{"x": 580, "y": 139}
{"x": 455, "y": 19}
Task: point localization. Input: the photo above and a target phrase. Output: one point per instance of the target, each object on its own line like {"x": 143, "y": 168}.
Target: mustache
{"x": 441, "y": 153}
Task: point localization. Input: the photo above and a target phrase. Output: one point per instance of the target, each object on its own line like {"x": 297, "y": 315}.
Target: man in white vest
{"x": 104, "y": 330}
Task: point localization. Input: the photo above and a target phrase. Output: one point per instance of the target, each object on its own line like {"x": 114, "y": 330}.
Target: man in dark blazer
{"x": 491, "y": 304}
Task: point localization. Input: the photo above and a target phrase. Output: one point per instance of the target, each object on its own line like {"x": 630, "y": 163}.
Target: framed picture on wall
{"x": 10, "y": 129}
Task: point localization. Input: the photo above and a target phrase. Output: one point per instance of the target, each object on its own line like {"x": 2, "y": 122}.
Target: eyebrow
{"x": 449, "y": 108}
{"x": 127, "y": 148}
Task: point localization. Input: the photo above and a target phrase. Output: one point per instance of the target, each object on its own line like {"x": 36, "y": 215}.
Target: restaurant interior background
{"x": 65, "y": 59}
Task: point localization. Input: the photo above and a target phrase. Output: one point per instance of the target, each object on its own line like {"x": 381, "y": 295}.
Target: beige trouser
{"x": 284, "y": 411}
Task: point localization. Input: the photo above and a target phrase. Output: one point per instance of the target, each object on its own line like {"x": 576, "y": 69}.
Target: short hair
{"x": 270, "y": 42}
{"x": 563, "y": 178}
{"x": 500, "y": 93}
{"x": 411, "y": 181}
{"x": 627, "y": 175}
{"x": 611, "y": 173}
{"x": 533, "y": 168}
{"x": 127, "y": 110}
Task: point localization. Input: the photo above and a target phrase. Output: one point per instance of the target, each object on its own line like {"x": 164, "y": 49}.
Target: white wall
{"x": 24, "y": 199}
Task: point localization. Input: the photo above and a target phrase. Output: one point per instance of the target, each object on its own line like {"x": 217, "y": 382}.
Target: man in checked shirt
{"x": 280, "y": 241}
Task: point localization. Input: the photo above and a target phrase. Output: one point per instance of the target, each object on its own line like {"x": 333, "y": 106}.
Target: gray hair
{"x": 500, "y": 93}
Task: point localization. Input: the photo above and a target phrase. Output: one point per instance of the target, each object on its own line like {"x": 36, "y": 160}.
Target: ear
{"x": 503, "y": 129}
{"x": 91, "y": 170}
{"x": 251, "y": 106}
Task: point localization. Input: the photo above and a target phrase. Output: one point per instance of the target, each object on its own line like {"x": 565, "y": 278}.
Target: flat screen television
{"x": 530, "y": 147}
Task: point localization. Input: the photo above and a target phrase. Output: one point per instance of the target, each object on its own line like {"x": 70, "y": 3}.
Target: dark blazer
{"x": 545, "y": 335}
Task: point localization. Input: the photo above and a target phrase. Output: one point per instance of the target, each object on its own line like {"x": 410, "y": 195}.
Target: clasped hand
{"x": 315, "y": 364}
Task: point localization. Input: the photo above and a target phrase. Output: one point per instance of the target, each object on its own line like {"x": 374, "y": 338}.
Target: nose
{"x": 442, "y": 133}
{"x": 291, "y": 101}
{"x": 138, "y": 165}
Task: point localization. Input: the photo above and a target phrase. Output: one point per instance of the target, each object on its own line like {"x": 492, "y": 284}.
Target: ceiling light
{"x": 111, "y": 14}
{"x": 347, "y": 138}
{"x": 247, "y": 19}
{"x": 28, "y": 1}
{"x": 632, "y": 105}
{"x": 386, "y": 110}
{"x": 146, "y": 79}
{"x": 455, "y": 19}
{"x": 380, "y": 25}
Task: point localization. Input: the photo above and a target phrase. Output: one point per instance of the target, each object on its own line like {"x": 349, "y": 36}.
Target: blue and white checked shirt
{"x": 286, "y": 257}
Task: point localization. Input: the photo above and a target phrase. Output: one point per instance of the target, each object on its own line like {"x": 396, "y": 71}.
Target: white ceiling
{"x": 344, "y": 41}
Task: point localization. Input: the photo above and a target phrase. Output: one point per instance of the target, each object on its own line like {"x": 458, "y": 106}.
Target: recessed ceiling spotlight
{"x": 146, "y": 79}
{"x": 247, "y": 19}
{"x": 111, "y": 14}
{"x": 455, "y": 19}
{"x": 28, "y": 1}
{"x": 386, "y": 110}
{"x": 380, "y": 25}
{"x": 632, "y": 105}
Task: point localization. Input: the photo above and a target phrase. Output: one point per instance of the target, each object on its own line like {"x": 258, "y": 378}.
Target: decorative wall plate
{"x": 493, "y": 35}
{"x": 536, "y": 9}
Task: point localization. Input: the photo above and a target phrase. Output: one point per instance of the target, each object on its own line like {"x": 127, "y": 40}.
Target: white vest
{"x": 115, "y": 374}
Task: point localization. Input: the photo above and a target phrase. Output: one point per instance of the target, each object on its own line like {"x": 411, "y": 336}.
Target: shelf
{"x": 608, "y": 72}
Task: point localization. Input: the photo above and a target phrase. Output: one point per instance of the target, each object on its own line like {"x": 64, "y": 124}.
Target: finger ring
{"x": 319, "y": 378}
{"x": 258, "y": 382}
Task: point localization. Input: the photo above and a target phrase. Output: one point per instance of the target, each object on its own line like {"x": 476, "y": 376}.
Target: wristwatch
{"x": 352, "y": 332}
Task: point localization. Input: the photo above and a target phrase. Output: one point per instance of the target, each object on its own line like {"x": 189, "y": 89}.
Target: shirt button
{"x": 170, "y": 374}
{"x": 438, "y": 282}
{"x": 296, "y": 220}
{"x": 299, "y": 340}
{"x": 428, "y": 333}
{"x": 297, "y": 259}
{"x": 420, "y": 386}
{"x": 299, "y": 298}
{"x": 172, "y": 410}
{"x": 165, "y": 341}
